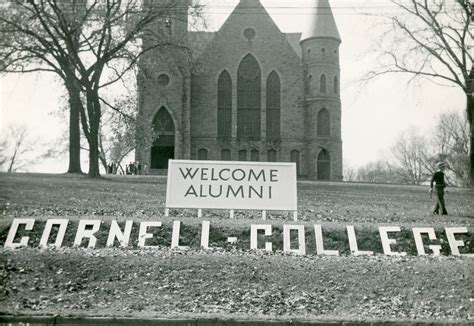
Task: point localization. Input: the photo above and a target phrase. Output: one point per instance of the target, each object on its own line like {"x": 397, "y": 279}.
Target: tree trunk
{"x": 102, "y": 156}
{"x": 103, "y": 161}
{"x": 94, "y": 151}
{"x": 93, "y": 107}
{"x": 470, "y": 117}
{"x": 74, "y": 130}
{"x": 12, "y": 161}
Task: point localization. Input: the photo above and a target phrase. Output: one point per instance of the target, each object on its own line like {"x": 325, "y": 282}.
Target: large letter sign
{"x": 231, "y": 185}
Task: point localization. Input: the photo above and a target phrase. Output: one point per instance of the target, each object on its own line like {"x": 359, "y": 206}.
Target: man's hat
{"x": 441, "y": 165}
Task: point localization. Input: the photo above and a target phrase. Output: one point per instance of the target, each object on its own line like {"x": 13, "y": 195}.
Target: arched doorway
{"x": 163, "y": 144}
{"x": 324, "y": 165}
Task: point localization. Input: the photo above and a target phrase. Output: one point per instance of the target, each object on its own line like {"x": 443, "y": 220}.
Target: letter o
{"x": 234, "y": 177}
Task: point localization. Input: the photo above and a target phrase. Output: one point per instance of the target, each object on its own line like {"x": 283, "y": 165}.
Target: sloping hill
{"x": 229, "y": 280}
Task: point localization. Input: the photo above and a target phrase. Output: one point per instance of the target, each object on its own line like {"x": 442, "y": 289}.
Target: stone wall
{"x": 272, "y": 51}
{"x": 192, "y": 99}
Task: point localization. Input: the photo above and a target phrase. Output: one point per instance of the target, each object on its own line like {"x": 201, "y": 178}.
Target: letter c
{"x": 220, "y": 174}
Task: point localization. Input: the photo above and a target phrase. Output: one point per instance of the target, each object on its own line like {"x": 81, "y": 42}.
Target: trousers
{"x": 440, "y": 206}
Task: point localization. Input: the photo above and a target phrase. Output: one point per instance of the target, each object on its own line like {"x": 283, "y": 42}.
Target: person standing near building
{"x": 439, "y": 184}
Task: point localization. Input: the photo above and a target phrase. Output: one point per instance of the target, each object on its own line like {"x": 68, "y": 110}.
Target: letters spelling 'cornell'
{"x": 231, "y": 185}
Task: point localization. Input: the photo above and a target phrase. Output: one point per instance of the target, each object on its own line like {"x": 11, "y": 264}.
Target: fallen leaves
{"x": 230, "y": 281}
{"x": 128, "y": 282}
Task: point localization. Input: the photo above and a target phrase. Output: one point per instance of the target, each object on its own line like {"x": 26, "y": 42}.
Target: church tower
{"x": 320, "y": 49}
{"x": 164, "y": 87}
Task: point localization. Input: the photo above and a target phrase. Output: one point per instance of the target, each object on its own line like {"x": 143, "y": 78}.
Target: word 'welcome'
{"x": 87, "y": 230}
{"x": 226, "y": 174}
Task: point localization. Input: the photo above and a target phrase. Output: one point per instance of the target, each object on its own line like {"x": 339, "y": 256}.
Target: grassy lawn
{"x": 144, "y": 197}
{"x": 231, "y": 281}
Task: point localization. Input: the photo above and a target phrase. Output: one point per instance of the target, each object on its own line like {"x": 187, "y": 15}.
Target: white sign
{"x": 231, "y": 185}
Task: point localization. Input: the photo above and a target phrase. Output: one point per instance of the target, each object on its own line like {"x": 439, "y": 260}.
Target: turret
{"x": 171, "y": 23}
{"x": 164, "y": 86}
{"x": 322, "y": 24}
{"x": 320, "y": 47}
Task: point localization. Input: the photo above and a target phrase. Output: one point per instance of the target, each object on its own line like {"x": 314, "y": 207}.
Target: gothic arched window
{"x": 273, "y": 106}
{"x": 323, "y": 123}
{"x": 295, "y": 158}
{"x": 202, "y": 154}
{"x": 324, "y": 165}
{"x": 310, "y": 85}
{"x": 248, "y": 98}
{"x": 224, "y": 105}
{"x": 271, "y": 155}
{"x": 163, "y": 128}
{"x": 322, "y": 84}
{"x": 243, "y": 155}
{"x": 254, "y": 155}
{"x": 336, "y": 85}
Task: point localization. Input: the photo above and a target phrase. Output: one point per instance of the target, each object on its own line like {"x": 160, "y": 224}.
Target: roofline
{"x": 323, "y": 38}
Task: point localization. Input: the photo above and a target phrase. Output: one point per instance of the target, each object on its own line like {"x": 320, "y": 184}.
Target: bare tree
{"x": 379, "y": 171}
{"x": 451, "y": 142}
{"x": 14, "y": 148}
{"x": 20, "y": 56}
{"x": 90, "y": 52}
{"x": 413, "y": 157}
{"x": 118, "y": 136}
{"x": 3, "y": 150}
{"x": 350, "y": 173}
{"x": 433, "y": 39}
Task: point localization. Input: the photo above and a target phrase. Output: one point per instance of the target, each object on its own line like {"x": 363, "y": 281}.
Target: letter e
{"x": 143, "y": 234}
{"x": 455, "y": 244}
{"x": 386, "y": 242}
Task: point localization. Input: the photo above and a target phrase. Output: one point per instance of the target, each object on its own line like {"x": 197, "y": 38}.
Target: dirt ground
{"x": 232, "y": 281}
{"x": 157, "y": 283}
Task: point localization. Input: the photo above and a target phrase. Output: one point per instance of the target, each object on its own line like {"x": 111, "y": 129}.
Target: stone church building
{"x": 247, "y": 92}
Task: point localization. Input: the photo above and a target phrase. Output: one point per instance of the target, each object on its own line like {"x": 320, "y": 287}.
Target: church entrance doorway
{"x": 164, "y": 136}
{"x": 324, "y": 166}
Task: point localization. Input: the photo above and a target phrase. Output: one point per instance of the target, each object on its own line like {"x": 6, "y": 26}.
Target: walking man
{"x": 438, "y": 181}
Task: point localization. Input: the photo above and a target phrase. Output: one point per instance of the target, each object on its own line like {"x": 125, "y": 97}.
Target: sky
{"x": 373, "y": 115}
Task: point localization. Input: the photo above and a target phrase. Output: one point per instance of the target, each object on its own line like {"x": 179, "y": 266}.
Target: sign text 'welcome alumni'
{"x": 231, "y": 185}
